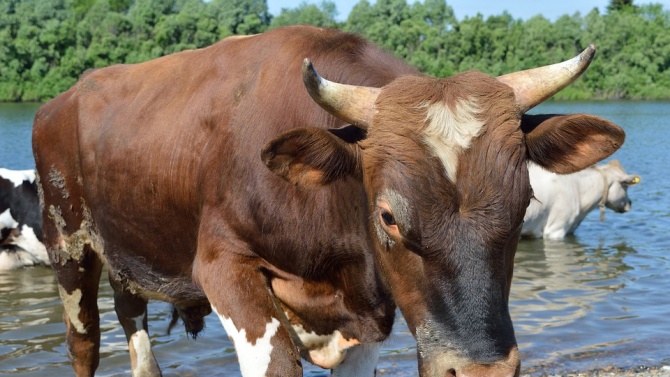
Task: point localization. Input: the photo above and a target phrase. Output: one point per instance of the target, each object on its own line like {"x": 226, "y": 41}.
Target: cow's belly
{"x": 150, "y": 253}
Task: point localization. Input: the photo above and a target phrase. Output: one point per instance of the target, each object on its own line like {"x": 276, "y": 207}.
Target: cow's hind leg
{"x": 75, "y": 252}
{"x": 78, "y": 281}
{"x": 131, "y": 310}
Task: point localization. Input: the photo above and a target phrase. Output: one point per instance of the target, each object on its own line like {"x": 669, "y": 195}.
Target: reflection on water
{"x": 572, "y": 306}
{"x": 557, "y": 282}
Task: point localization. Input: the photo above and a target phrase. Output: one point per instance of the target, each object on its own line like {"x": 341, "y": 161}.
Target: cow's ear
{"x": 311, "y": 158}
{"x": 565, "y": 144}
{"x": 631, "y": 180}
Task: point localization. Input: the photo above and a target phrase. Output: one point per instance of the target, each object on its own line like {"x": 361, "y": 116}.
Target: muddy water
{"x": 596, "y": 299}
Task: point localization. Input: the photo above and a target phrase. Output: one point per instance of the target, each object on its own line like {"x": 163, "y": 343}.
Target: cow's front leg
{"x": 240, "y": 297}
{"x": 131, "y": 310}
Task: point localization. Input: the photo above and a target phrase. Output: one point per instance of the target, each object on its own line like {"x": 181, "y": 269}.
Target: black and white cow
{"x": 20, "y": 221}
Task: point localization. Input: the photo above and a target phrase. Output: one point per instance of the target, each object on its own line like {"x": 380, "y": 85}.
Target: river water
{"x": 599, "y": 298}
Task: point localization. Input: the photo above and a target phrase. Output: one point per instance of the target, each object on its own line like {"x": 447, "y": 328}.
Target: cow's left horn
{"x": 353, "y": 104}
{"x": 533, "y": 86}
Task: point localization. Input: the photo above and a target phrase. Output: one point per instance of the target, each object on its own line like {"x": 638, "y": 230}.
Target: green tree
{"x": 619, "y": 5}
{"x": 240, "y": 16}
{"x": 45, "y": 45}
{"x": 322, "y": 15}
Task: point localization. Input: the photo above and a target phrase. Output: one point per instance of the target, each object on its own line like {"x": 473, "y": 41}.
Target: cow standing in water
{"x": 561, "y": 202}
{"x": 210, "y": 179}
{"x": 20, "y": 221}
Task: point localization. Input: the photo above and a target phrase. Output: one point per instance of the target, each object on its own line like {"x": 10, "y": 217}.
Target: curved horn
{"x": 353, "y": 104}
{"x": 533, "y": 86}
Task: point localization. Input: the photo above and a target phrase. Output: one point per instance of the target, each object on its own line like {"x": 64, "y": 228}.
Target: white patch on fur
{"x": 450, "y": 132}
{"x": 326, "y": 351}
{"x": 72, "y": 308}
{"x": 140, "y": 350}
{"x": 18, "y": 176}
{"x": 31, "y": 246}
{"x": 361, "y": 361}
{"x": 7, "y": 221}
{"x": 12, "y": 260}
{"x": 254, "y": 359}
{"x": 30, "y": 251}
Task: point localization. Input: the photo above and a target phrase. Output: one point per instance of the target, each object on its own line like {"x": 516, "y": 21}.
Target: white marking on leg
{"x": 450, "y": 132}
{"x": 254, "y": 359}
{"x": 361, "y": 361}
{"x": 141, "y": 358}
{"x": 71, "y": 304}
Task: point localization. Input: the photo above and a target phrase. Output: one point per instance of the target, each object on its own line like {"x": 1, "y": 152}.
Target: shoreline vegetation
{"x": 45, "y": 45}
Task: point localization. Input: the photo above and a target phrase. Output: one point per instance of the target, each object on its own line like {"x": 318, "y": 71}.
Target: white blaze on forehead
{"x": 72, "y": 308}
{"x": 254, "y": 359}
{"x": 18, "y": 176}
{"x": 450, "y": 131}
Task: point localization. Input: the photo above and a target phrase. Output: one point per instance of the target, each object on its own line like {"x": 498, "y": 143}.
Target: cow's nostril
{"x": 451, "y": 373}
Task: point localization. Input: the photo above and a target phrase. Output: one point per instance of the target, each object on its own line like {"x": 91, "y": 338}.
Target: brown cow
{"x": 211, "y": 180}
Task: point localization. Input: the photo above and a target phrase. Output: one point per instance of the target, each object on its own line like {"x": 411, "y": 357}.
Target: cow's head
{"x": 443, "y": 162}
{"x": 618, "y": 181}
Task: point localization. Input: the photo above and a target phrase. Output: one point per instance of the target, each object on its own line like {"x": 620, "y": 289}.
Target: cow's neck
{"x": 592, "y": 188}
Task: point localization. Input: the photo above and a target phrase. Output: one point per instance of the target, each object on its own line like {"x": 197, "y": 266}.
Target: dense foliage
{"x": 46, "y": 44}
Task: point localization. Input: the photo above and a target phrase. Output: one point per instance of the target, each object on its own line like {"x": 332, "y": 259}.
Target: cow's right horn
{"x": 534, "y": 86}
{"x": 353, "y": 104}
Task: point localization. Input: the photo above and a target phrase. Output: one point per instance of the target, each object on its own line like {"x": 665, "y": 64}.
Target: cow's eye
{"x": 388, "y": 218}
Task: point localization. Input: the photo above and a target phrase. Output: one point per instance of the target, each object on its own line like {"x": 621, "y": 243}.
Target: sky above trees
{"x": 523, "y": 9}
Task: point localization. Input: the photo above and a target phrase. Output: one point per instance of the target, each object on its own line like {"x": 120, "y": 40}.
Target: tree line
{"x": 45, "y": 45}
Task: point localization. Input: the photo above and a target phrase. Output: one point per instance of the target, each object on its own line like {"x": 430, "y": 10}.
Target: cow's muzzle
{"x": 450, "y": 365}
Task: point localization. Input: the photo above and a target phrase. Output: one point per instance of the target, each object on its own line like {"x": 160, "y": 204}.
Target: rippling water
{"x": 596, "y": 299}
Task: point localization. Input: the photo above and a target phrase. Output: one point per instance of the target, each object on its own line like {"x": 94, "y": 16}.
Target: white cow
{"x": 562, "y": 201}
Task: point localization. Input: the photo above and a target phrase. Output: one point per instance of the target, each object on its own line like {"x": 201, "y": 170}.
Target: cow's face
{"x": 444, "y": 168}
{"x": 618, "y": 182}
